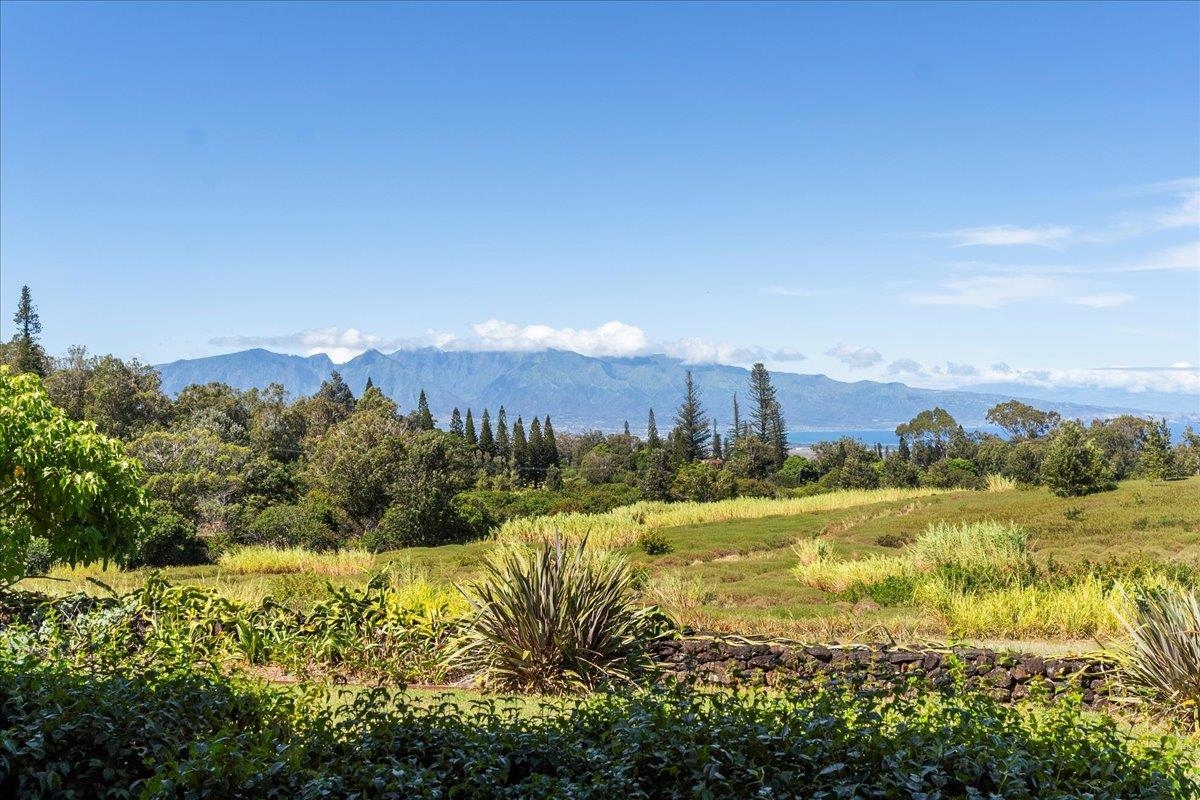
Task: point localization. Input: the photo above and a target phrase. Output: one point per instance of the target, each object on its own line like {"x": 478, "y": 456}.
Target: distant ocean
{"x": 887, "y": 437}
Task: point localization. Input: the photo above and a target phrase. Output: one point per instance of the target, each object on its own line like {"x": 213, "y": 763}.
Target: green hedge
{"x": 183, "y": 732}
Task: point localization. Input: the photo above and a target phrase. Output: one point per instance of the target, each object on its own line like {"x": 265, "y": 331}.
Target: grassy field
{"x": 738, "y": 574}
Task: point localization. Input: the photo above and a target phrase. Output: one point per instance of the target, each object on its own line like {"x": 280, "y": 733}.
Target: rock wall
{"x": 1008, "y": 676}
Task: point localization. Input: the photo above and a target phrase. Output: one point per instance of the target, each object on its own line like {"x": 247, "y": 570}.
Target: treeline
{"x": 227, "y": 467}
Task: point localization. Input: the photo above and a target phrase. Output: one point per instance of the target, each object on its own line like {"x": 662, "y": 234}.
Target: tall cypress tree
{"x": 716, "y": 441}
{"x": 503, "y": 446}
{"x": 424, "y": 418}
{"x": 370, "y": 385}
{"x": 456, "y": 423}
{"x": 520, "y": 449}
{"x": 551, "y": 443}
{"x": 652, "y": 439}
{"x": 779, "y": 440}
{"x": 469, "y": 430}
{"x": 692, "y": 423}
{"x": 487, "y": 445}
{"x": 537, "y": 447}
{"x": 29, "y": 354}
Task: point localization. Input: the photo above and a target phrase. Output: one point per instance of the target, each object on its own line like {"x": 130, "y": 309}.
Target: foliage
{"x": 310, "y": 524}
{"x": 554, "y": 619}
{"x": 1023, "y": 421}
{"x": 653, "y": 543}
{"x": 62, "y": 481}
{"x": 1163, "y": 654}
{"x": 168, "y": 540}
{"x": 171, "y": 731}
{"x": 953, "y": 473}
{"x": 39, "y": 557}
{"x": 1074, "y": 465}
{"x": 702, "y": 482}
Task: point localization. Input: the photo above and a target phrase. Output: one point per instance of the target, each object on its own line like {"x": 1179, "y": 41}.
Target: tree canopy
{"x": 62, "y": 481}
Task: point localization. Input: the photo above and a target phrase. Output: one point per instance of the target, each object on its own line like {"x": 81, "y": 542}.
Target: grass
{"x": 746, "y": 566}
{"x": 623, "y": 526}
{"x": 262, "y": 560}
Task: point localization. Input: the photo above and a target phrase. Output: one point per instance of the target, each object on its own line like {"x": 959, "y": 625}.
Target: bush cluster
{"x": 181, "y": 731}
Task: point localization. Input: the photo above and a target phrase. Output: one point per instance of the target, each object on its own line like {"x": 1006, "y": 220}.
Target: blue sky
{"x": 948, "y": 195}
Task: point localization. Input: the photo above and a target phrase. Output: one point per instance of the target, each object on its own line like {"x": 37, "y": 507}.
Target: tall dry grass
{"x": 622, "y": 526}
{"x": 262, "y": 560}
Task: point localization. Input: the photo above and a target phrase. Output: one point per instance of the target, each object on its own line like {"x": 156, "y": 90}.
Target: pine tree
{"x": 537, "y": 447}
{"x": 736, "y": 430}
{"x": 503, "y": 445}
{"x": 456, "y": 423}
{"x": 424, "y": 418}
{"x": 487, "y": 445}
{"x": 370, "y": 385}
{"x": 29, "y": 355}
{"x": 766, "y": 417}
{"x": 551, "y": 443}
{"x": 652, "y": 439}
{"x": 716, "y": 441}
{"x": 692, "y": 424}
{"x": 520, "y": 449}
{"x": 469, "y": 430}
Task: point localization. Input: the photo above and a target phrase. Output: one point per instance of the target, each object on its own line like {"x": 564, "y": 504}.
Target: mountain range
{"x": 584, "y": 392}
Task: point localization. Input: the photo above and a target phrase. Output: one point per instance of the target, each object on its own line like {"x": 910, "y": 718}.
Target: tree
{"x": 29, "y": 355}
{"x": 1157, "y": 461}
{"x": 425, "y": 419}
{"x": 487, "y": 444}
{"x": 1121, "y": 439}
{"x": 716, "y": 441}
{"x": 61, "y": 481}
{"x": 551, "y": 443}
{"x": 537, "y": 448}
{"x": 456, "y": 424}
{"x": 654, "y": 474}
{"x": 194, "y": 471}
{"x": 124, "y": 399}
{"x": 1074, "y": 465}
{"x": 332, "y": 403}
{"x": 504, "y": 448}
{"x": 652, "y": 439}
{"x": 469, "y": 430}
{"x": 430, "y": 469}
{"x": 929, "y": 433}
{"x": 751, "y": 458}
{"x": 1023, "y": 421}
{"x": 520, "y": 450}
{"x": 691, "y": 423}
{"x": 736, "y": 430}
{"x": 68, "y": 382}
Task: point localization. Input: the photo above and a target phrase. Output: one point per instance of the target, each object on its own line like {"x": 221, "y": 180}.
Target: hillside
{"x": 585, "y": 392}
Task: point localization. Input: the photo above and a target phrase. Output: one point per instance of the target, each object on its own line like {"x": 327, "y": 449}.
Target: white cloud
{"x": 855, "y": 356}
{"x": 610, "y": 339}
{"x": 1102, "y": 299}
{"x": 903, "y": 366}
{"x": 1007, "y": 235}
{"x": 339, "y": 345}
{"x": 990, "y": 291}
{"x": 1180, "y": 377}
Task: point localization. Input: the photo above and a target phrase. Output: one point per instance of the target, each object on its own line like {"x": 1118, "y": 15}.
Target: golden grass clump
{"x": 676, "y": 591}
{"x": 261, "y": 560}
{"x": 838, "y": 576}
{"x": 996, "y": 482}
{"x": 999, "y": 548}
{"x": 622, "y": 526}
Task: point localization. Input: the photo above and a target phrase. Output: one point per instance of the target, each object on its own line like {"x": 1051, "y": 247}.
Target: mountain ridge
{"x": 584, "y": 392}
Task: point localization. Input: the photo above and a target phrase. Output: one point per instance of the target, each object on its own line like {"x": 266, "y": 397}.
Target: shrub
{"x": 1074, "y": 465}
{"x": 1163, "y": 654}
{"x": 677, "y": 591}
{"x": 310, "y": 525}
{"x": 168, "y": 540}
{"x": 556, "y": 619}
{"x": 952, "y": 473}
{"x": 39, "y": 557}
{"x": 654, "y": 543}
{"x": 187, "y": 732}
{"x": 977, "y": 555}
